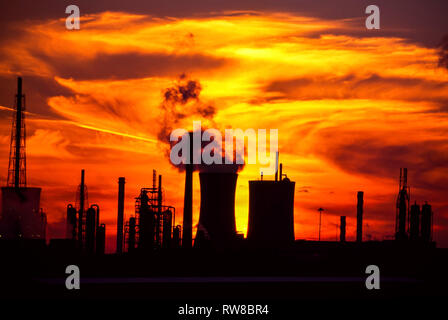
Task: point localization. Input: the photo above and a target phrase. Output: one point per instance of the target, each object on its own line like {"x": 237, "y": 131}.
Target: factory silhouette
{"x": 152, "y": 235}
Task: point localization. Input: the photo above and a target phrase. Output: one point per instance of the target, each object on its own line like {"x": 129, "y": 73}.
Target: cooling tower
{"x": 271, "y": 212}
{"x": 216, "y": 225}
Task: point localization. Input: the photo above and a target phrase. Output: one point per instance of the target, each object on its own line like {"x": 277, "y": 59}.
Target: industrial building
{"x": 152, "y": 225}
{"x": 270, "y": 216}
{"x": 271, "y": 211}
{"x": 411, "y": 223}
{"x": 21, "y": 215}
{"x": 83, "y": 222}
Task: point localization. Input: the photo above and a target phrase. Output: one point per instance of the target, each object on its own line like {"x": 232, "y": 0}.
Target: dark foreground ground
{"x": 321, "y": 278}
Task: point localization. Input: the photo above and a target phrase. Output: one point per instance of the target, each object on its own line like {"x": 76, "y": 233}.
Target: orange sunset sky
{"x": 351, "y": 105}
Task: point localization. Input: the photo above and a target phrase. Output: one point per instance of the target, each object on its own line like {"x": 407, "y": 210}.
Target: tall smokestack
{"x": 342, "y": 231}
{"x": 120, "y": 217}
{"x": 187, "y": 233}
{"x": 81, "y": 208}
{"x": 359, "y": 216}
{"x": 276, "y": 167}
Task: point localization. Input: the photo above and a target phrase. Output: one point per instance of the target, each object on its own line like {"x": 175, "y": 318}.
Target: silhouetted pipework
{"x": 120, "y": 215}
{"x": 84, "y": 227}
{"x": 75, "y": 215}
{"x": 152, "y": 225}
{"x": 271, "y": 212}
{"x": 146, "y": 217}
{"x": 426, "y": 229}
{"x": 187, "y": 232}
{"x": 342, "y": 229}
{"x": 160, "y": 215}
{"x": 402, "y": 206}
{"x": 359, "y": 214}
{"x": 216, "y": 225}
{"x": 414, "y": 227}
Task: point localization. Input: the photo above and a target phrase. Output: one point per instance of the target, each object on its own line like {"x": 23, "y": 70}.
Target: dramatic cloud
{"x": 443, "y": 52}
{"x": 351, "y": 106}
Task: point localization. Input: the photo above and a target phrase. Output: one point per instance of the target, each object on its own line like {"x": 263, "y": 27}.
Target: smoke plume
{"x": 182, "y": 102}
{"x": 181, "y": 105}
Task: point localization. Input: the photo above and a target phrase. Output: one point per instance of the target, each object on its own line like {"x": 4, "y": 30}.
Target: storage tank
{"x": 271, "y": 212}
{"x": 414, "y": 224}
{"x": 426, "y": 229}
{"x": 101, "y": 239}
{"x": 216, "y": 225}
{"x": 71, "y": 222}
{"x": 90, "y": 230}
{"x": 131, "y": 235}
{"x": 146, "y": 223}
{"x": 176, "y": 242}
{"x": 167, "y": 226}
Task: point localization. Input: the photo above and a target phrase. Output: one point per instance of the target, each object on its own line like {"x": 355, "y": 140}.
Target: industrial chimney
{"x": 81, "y": 209}
{"x": 120, "y": 217}
{"x": 187, "y": 232}
{"x": 216, "y": 225}
{"x": 359, "y": 213}
{"x": 342, "y": 231}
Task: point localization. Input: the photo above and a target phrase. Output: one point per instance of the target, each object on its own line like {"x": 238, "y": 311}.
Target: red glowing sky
{"x": 351, "y": 107}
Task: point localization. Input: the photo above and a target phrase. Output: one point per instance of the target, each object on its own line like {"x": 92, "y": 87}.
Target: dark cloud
{"x": 443, "y": 52}
{"x": 358, "y": 153}
{"x": 361, "y": 154}
{"x": 424, "y": 22}
{"x": 36, "y": 89}
{"x": 130, "y": 65}
{"x": 359, "y": 87}
{"x": 180, "y": 101}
